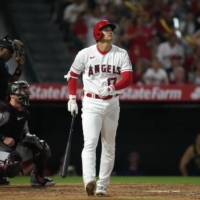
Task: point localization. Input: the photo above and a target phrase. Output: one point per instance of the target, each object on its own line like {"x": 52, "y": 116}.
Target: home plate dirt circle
{"x": 115, "y": 191}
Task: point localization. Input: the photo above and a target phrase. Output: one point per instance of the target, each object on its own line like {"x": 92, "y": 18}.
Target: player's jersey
{"x": 13, "y": 122}
{"x": 99, "y": 69}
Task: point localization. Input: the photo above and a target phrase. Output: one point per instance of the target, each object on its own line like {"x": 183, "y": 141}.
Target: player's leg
{"x": 108, "y": 134}
{"x": 92, "y": 123}
{"x": 10, "y": 165}
{"x": 40, "y": 152}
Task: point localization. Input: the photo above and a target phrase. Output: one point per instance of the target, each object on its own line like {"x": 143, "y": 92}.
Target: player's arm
{"x": 25, "y": 129}
{"x": 4, "y": 117}
{"x": 126, "y": 80}
{"x": 72, "y": 79}
{"x": 20, "y": 59}
{"x": 187, "y": 156}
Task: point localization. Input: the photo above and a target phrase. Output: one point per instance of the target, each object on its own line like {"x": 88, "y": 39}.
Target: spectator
{"x": 180, "y": 77}
{"x": 196, "y": 37}
{"x": 70, "y": 15}
{"x": 187, "y": 28}
{"x": 167, "y": 49}
{"x": 6, "y": 53}
{"x": 190, "y": 60}
{"x": 138, "y": 72}
{"x": 92, "y": 19}
{"x": 156, "y": 75}
{"x": 110, "y": 13}
{"x": 190, "y": 161}
{"x": 195, "y": 76}
{"x": 175, "y": 62}
{"x": 161, "y": 10}
{"x": 57, "y": 8}
{"x": 80, "y": 34}
{"x": 134, "y": 166}
{"x": 139, "y": 38}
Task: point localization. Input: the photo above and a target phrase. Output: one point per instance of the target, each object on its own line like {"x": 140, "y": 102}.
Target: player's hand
{"x": 105, "y": 91}
{"x": 21, "y": 62}
{"x": 72, "y": 105}
{"x": 9, "y": 141}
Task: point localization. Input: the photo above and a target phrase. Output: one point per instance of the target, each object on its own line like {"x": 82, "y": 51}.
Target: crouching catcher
{"x": 17, "y": 145}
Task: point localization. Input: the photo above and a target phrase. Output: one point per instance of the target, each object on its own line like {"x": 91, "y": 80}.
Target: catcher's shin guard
{"x": 40, "y": 159}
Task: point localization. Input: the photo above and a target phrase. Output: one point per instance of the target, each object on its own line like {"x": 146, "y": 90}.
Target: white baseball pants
{"x": 99, "y": 116}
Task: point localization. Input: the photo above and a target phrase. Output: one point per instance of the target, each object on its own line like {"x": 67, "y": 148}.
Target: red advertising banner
{"x": 59, "y": 92}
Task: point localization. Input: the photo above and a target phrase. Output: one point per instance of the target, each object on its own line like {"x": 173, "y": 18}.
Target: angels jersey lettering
{"x": 99, "y": 69}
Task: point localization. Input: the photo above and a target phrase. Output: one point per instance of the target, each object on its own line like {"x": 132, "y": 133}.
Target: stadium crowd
{"x": 161, "y": 36}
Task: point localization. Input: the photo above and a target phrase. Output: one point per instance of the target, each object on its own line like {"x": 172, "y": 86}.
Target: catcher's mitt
{"x": 18, "y": 50}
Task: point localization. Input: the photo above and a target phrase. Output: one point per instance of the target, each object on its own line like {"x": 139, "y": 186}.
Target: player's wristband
{"x": 18, "y": 72}
{"x": 2, "y": 137}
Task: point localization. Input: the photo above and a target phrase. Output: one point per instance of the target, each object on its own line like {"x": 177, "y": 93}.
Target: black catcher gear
{"x": 33, "y": 142}
{"x": 12, "y": 165}
{"x": 40, "y": 159}
{"x": 21, "y": 90}
{"x": 41, "y": 152}
{"x": 6, "y": 42}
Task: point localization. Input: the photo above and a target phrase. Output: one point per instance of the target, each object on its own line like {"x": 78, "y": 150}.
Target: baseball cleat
{"x": 4, "y": 181}
{"x": 100, "y": 191}
{"x": 37, "y": 181}
{"x": 90, "y": 188}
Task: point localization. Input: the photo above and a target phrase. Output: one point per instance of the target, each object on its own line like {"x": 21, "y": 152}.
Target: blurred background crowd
{"x": 161, "y": 36}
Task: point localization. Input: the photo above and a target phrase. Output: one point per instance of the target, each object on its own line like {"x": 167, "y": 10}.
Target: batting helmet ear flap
{"x": 99, "y": 35}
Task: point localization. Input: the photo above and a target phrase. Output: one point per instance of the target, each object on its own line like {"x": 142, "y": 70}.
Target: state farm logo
{"x": 153, "y": 93}
{"x": 48, "y": 92}
{"x": 196, "y": 94}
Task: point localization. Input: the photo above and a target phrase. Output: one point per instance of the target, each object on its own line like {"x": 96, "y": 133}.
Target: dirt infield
{"x": 115, "y": 191}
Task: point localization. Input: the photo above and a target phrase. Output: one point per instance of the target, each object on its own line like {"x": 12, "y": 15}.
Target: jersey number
{"x": 112, "y": 81}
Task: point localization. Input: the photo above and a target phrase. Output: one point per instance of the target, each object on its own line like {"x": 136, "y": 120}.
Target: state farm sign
{"x": 153, "y": 93}
{"x": 59, "y": 92}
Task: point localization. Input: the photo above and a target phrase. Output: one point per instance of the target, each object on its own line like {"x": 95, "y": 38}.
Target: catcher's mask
{"x": 21, "y": 90}
{"x": 97, "y": 33}
{"x": 6, "y": 42}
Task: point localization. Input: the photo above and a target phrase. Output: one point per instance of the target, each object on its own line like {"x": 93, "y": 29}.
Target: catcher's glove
{"x": 18, "y": 50}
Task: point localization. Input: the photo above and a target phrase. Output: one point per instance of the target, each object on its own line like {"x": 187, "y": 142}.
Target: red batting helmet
{"x": 97, "y": 33}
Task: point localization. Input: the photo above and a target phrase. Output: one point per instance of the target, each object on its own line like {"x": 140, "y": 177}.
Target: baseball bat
{"x": 67, "y": 151}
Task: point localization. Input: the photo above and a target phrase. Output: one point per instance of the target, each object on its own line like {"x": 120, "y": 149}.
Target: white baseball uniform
{"x": 100, "y": 115}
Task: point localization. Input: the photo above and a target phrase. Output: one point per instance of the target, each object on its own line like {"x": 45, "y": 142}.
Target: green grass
{"x": 121, "y": 180}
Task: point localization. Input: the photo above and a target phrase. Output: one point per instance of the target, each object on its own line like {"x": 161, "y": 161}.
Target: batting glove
{"x": 105, "y": 91}
{"x": 72, "y": 105}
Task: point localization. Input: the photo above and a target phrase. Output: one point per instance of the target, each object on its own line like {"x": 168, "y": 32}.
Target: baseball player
{"x": 17, "y": 145}
{"x": 9, "y": 47}
{"x": 106, "y": 70}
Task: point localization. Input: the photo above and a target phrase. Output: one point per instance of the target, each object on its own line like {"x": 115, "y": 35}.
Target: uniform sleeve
{"x": 126, "y": 65}
{"x": 78, "y": 64}
{"x": 4, "y": 114}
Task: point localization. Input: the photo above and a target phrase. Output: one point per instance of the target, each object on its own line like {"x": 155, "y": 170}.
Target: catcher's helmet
{"x": 21, "y": 90}
{"x": 6, "y": 42}
{"x": 97, "y": 33}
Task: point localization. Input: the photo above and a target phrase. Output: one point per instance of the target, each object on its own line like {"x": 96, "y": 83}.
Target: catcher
{"x": 7, "y": 49}
{"x": 17, "y": 145}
